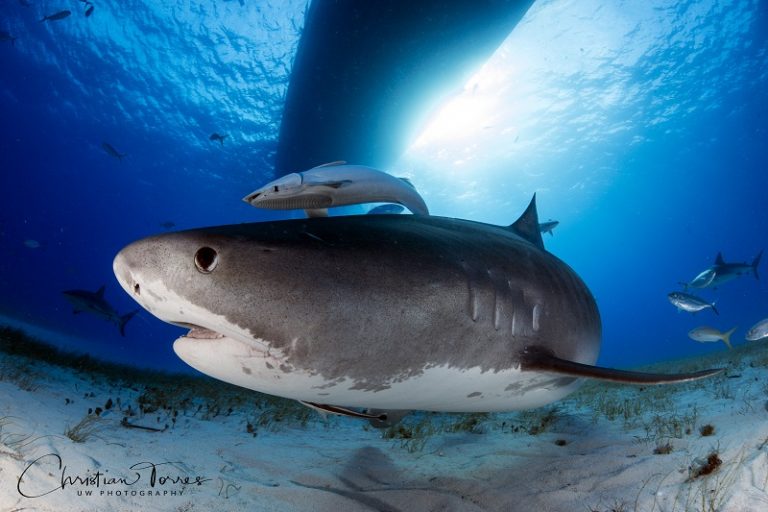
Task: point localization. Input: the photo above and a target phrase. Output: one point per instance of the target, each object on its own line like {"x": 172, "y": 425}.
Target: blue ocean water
{"x": 641, "y": 127}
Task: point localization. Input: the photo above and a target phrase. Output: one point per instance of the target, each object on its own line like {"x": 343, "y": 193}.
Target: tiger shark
{"x": 378, "y": 312}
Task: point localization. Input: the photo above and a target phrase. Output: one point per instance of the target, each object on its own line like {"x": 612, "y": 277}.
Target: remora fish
{"x": 548, "y": 226}
{"x": 710, "y": 334}
{"x": 57, "y": 16}
{"x": 722, "y": 272}
{"x": 94, "y": 302}
{"x": 758, "y": 331}
{"x": 111, "y": 151}
{"x": 336, "y": 185}
{"x": 390, "y": 312}
{"x": 690, "y": 303}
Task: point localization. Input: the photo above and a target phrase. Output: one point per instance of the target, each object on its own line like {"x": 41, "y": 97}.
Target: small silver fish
{"x": 690, "y": 303}
{"x": 217, "y": 137}
{"x": 758, "y": 331}
{"x": 706, "y": 334}
{"x": 57, "y": 16}
{"x": 111, "y": 151}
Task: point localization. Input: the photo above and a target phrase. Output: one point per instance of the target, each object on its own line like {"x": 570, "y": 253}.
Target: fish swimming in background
{"x": 548, "y": 226}
{"x": 111, "y": 151}
{"x": 217, "y": 137}
{"x": 710, "y": 334}
{"x": 383, "y": 312}
{"x": 94, "y": 302}
{"x": 690, "y": 303}
{"x": 386, "y": 209}
{"x": 57, "y": 16}
{"x": 758, "y": 331}
{"x": 88, "y": 7}
{"x": 31, "y": 244}
{"x": 722, "y": 272}
{"x": 335, "y": 184}
{"x": 168, "y": 224}
{"x": 5, "y": 36}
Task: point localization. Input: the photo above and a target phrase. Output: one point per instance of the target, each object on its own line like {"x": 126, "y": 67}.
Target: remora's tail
{"x": 755, "y": 263}
{"x": 124, "y": 320}
{"x": 727, "y": 337}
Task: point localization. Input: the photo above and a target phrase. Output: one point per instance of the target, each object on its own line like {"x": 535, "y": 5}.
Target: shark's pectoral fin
{"x": 377, "y": 418}
{"x": 538, "y": 359}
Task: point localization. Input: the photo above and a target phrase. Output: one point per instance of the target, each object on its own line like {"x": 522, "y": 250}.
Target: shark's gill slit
{"x": 206, "y": 259}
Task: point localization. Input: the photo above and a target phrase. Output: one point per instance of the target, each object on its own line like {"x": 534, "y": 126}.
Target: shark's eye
{"x": 206, "y": 259}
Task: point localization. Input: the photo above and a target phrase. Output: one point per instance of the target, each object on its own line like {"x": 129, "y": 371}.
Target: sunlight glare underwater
{"x": 575, "y": 84}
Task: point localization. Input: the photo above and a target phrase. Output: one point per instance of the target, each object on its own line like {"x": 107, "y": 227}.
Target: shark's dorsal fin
{"x": 719, "y": 259}
{"x": 408, "y": 182}
{"x": 539, "y": 359}
{"x": 100, "y": 292}
{"x": 527, "y": 226}
{"x": 330, "y": 164}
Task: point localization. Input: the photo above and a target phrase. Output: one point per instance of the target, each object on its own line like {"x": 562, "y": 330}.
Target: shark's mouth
{"x": 197, "y": 332}
{"x": 200, "y": 333}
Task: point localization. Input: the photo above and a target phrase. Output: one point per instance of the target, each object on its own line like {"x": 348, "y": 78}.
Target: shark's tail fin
{"x": 755, "y": 263}
{"x": 124, "y": 320}
{"x": 727, "y": 337}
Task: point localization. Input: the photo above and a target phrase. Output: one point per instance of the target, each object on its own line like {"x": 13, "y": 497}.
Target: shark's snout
{"x": 122, "y": 273}
{"x": 127, "y": 269}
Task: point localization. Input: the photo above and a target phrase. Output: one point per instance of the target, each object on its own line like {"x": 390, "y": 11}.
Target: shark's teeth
{"x": 203, "y": 333}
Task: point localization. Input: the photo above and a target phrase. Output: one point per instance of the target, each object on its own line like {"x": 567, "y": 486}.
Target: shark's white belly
{"x": 247, "y": 364}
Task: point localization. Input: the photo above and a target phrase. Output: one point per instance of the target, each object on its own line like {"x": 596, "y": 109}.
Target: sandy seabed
{"x": 196, "y": 444}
